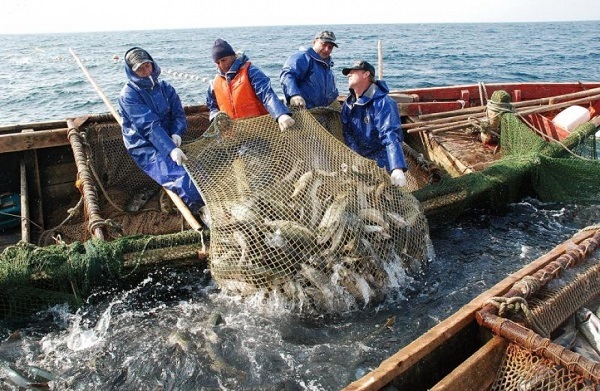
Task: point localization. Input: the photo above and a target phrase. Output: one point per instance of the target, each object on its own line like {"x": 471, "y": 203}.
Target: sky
{"x": 53, "y": 16}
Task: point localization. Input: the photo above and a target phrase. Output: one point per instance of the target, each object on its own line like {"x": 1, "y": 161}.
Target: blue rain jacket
{"x": 152, "y": 112}
{"x": 306, "y": 74}
{"x": 261, "y": 84}
{"x": 371, "y": 126}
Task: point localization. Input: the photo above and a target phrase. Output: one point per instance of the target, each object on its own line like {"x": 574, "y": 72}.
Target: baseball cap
{"x": 135, "y": 57}
{"x": 327, "y": 36}
{"x": 360, "y": 65}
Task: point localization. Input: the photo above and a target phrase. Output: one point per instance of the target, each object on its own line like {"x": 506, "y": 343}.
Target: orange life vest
{"x": 237, "y": 98}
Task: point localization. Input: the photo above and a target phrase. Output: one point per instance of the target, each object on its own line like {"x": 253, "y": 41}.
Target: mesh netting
{"x": 297, "y": 213}
{"x": 33, "y": 278}
{"x": 548, "y": 298}
{"x": 70, "y": 262}
{"x": 529, "y": 166}
{"x": 119, "y": 183}
{"x": 523, "y": 370}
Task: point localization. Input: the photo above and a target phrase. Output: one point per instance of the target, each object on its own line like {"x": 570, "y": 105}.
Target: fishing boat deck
{"x": 458, "y": 152}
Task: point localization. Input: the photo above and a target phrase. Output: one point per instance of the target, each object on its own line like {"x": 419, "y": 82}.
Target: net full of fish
{"x": 299, "y": 214}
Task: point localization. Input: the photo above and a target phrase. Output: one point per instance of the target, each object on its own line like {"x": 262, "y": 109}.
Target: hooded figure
{"x": 153, "y": 124}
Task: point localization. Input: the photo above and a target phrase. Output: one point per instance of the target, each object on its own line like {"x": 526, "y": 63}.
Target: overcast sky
{"x": 47, "y": 16}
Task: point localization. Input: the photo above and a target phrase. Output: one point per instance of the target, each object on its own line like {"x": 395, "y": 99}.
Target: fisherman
{"x": 153, "y": 125}
{"x": 241, "y": 89}
{"x": 307, "y": 78}
{"x": 371, "y": 121}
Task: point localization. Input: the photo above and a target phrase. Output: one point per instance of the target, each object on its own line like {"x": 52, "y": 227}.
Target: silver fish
{"x": 332, "y": 218}
{"x": 292, "y": 231}
{"x": 290, "y": 175}
{"x": 140, "y": 199}
{"x": 18, "y": 379}
{"x": 589, "y": 325}
{"x": 301, "y": 183}
{"x": 39, "y": 374}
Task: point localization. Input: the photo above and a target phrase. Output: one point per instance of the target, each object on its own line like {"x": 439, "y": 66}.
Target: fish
{"x": 316, "y": 205}
{"x": 19, "y": 380}
{"x": 396, "y": 219}
{"x": 324, "y": 173}
{"x": 582, "y": 346}
{"x": 292, "y": 231}
{"x": 374, "y": 216}
{"x": 301, "y": 183}
{"x": 215, "y": 319}
{"x": 39, "y": 375}
{"x": 290, "y": 175}
{"x": 354, "y": 283}
{"x": 139, "y": 199}
{"x": 332, "y": 218}
{"x": 176, "y": 338}
{"x": 370, "y": 229}
{"x": 589, "y": 325}
{"x": 243, "y": 212}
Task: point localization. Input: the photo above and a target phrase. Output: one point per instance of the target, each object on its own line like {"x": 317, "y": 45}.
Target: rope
{"x": 71, "y": 212}
{"x": 482, "y": 92}
{"x": 22, "y": 218}
{"x": 516, "y": 305}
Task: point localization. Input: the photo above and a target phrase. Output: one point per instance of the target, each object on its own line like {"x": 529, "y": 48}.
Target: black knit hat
{"x": 221, "y": 49}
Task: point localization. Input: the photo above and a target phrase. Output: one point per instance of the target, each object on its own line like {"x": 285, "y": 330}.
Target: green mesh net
{"x": 531, "y": 165}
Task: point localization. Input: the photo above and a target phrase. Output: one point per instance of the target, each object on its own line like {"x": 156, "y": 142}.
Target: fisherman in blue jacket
{"x": 371, "y": 121}
{"x": 307, "y": 78}
{"x": 153, "y": 124}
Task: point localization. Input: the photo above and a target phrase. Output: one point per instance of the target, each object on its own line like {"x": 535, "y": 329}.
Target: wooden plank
{"x": 58, "y": 174}
{"x": 33, "y": 140}
{"x": 478, "y": 371}
{"x": 393, "y": 366}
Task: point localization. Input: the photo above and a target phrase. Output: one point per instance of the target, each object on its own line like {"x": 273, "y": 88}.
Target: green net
{"x": 530, "y": 165}
{"x": 33, "y": 278}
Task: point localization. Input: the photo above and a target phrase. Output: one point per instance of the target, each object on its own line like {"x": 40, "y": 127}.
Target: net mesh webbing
{"x": 299, "y": 214}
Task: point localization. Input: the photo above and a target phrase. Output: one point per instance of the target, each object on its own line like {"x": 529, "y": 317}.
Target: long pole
{"x": 111, "y": 108}
{"x": 181, "y": 206}
{"x": 380, "y": 59}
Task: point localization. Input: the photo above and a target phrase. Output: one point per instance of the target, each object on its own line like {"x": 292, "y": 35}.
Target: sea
{"x": 161, "y": 333}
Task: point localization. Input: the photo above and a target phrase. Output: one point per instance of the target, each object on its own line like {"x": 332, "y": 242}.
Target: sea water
{"x": 158, "y": 333}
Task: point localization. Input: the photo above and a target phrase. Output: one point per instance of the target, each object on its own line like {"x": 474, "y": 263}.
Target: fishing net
{"x": 526, "y": 162}
{"x": 551, "y": 348}
{"x": 298, "y": 214}
{"x": 141, "y": 228}
{"x": 124, "y": 200}
{"x": 33, "y": 278}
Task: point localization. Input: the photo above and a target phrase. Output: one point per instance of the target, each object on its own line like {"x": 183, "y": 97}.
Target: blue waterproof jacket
{"x": 371, "y": 126}
{"x": 261, "y": 84}
{"x": 152, "y": 112}
{"x": 306, "y": 74}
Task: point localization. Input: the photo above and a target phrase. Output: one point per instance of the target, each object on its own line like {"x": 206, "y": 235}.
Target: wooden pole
{"x": 25, "y": 236}
{"x": 97, "y": 88}
{"x": 380, "y": 59}
{"x": 181, "y": 206}
{"x": 524, "y": 103}
{"x": 457, "y": 122}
